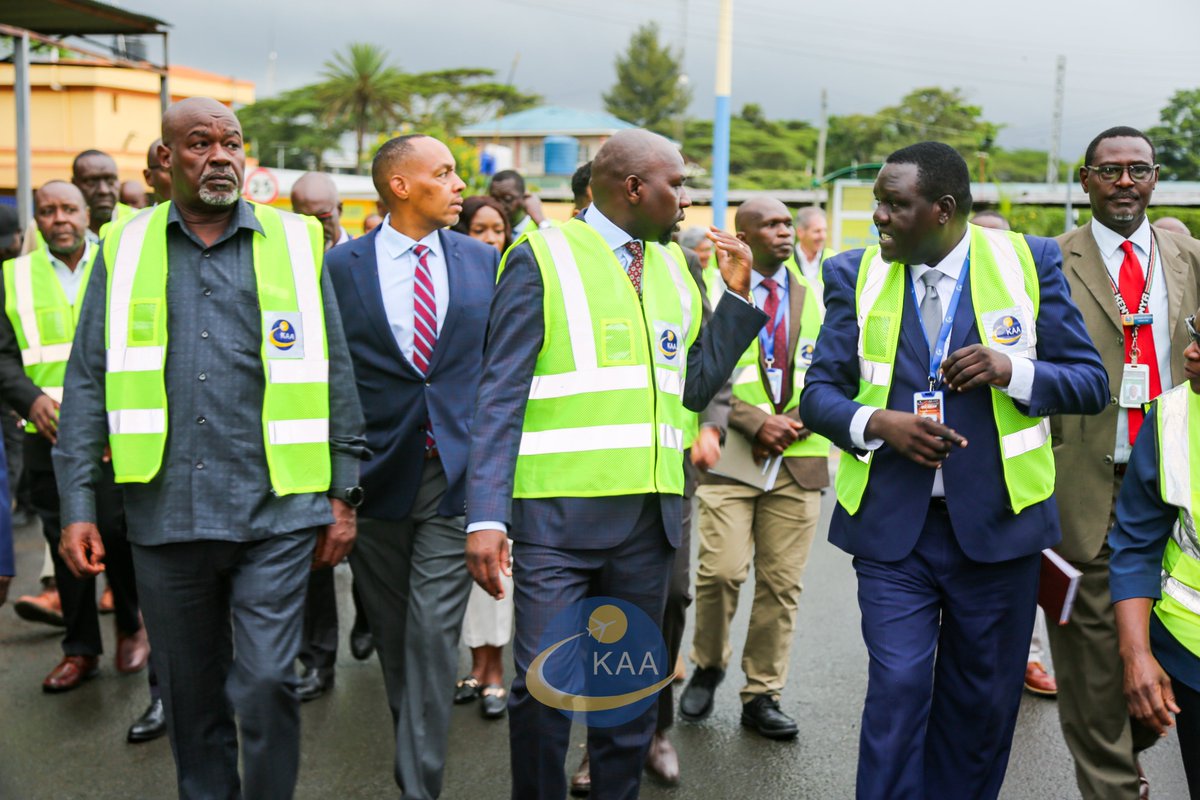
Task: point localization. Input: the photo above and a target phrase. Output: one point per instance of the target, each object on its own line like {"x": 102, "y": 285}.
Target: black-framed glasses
{"x": 1191, "y": 326}
{"x": 1111, "y": 173}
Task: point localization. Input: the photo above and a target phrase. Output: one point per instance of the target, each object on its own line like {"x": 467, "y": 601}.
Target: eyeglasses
{"x": 1111, "y": 173}
{"x": 1191, "y": 326}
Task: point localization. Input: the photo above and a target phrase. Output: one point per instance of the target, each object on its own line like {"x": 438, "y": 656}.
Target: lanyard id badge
{"x": 937, "y": 349}
{"x": 775, "y": 380}
{"x": 767, "y": 343}
{"x": 1135, "y": 386}
{"x": 929, "y": 404}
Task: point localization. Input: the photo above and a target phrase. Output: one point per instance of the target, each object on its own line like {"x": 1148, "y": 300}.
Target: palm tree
{"x": 364, "y": 90}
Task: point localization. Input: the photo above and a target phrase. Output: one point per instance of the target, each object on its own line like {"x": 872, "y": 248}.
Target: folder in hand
{"x": 1058, "y": 585}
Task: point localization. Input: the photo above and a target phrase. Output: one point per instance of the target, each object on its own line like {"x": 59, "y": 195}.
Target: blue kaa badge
{"x": 1007, "y": 330}
{"x": 283, "y": 335}
{"x": 668, "y": 344}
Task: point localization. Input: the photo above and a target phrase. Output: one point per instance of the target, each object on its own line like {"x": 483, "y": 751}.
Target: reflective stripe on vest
{"x": 287, "y": 258}
{"x": 42, "y": 318}
{"x": 605, "y": 411}
{"x": 1178, "y": 430}
{"x": 1002, "y": 277}
{"x": 750, "y": 382}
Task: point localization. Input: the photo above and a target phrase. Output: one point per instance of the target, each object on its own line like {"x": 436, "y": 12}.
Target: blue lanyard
{"x": 943, "y": 340}
{"x": 766, "y": 341}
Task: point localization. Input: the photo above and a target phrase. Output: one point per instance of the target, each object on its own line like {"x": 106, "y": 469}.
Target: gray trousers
{"x": 204, "y": 601}
{"x": 413, "y": 581}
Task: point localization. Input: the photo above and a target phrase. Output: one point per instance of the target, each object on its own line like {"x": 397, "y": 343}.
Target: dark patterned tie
{"x": 778, "y": 334}
{"x": 424, "y": 323}
{"x": 635, "y": 266}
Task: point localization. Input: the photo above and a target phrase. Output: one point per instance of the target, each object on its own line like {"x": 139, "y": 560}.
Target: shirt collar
{"x": 87, "y": 252}
{"x": 613, "y": 236}
{"x": 950, "y": 266}
{"x": 397, "y": 243}
{"x": 243, "y": 217}
{"x": 780, "y": 277}
{"x": 345, "y": 237}
{"x": 1109, "y": 241}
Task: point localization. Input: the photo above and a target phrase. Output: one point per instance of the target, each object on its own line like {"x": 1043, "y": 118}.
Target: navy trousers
{"x": 948, "y": 639}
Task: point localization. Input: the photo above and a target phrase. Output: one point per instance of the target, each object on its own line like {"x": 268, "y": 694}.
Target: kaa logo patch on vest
{"x": 284, "y": 334}
{"x": 806, "y": 348}
{"x": 668, "y": 340}
{"x": 1005, "y": 329}
{"x": 602, "y": 662}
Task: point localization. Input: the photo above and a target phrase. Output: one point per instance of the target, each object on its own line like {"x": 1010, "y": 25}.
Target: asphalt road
{"x": 73, "y": 745}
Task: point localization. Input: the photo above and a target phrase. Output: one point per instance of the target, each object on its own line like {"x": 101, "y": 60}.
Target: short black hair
{"x": 508, "y": 175}
{"x": 941, "y": 171}
{"x": 580, "y": 181}
{"x": 390, "y": 152}
{"x": 88, "y": 154}
{"x": 1117, "y": 132}
{"x": 9, "y": 224}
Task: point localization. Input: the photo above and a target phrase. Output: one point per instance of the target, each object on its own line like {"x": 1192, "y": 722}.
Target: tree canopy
{"x": 649, "y": 91}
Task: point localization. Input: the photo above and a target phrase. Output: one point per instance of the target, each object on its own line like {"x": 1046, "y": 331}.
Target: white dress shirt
{"x": 810, "y": 269}
{"x": 397, "y": 265}
{"x": 1109, "y": 243}
{"x": 1020, "y": 385}
{"x": 70, "y": 279}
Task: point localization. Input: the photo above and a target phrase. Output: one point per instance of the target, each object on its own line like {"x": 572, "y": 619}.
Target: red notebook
{"x": 1057, "y": 588}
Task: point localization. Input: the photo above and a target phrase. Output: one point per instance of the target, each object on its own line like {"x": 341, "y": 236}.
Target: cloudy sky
{"x": 1122, "y": 64}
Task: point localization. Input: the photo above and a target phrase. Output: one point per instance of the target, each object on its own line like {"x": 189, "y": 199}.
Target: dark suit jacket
{"x": 396, "y": 399}
{"x": 1069, "y": 378}
{"x": 516, "y": 327}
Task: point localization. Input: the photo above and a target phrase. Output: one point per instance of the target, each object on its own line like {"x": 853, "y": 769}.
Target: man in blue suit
{"x": 945, "y": 485}
{"x": 414, "y": 299}
{"x": 608, "y": 539}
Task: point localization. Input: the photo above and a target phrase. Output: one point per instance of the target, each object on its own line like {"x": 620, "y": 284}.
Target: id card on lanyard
{"x": 1135, "y": 377}
{"x": 767, "y": 343}
{"x": 932, "y": 403}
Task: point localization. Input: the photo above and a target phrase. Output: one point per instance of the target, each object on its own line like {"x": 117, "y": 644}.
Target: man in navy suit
{"x": 945, "y": 485}
{"x": 414, "y": 299}
{"x": 581, "y": 543}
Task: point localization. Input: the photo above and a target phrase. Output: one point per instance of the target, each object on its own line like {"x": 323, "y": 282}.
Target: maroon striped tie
{"x": 424, "y": 323}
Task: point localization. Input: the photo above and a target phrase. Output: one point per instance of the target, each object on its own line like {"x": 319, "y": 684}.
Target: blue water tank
{"x": 561, "y": 155}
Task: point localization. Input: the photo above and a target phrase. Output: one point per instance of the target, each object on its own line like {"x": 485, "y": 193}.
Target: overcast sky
{"x": 1122, "y": 64}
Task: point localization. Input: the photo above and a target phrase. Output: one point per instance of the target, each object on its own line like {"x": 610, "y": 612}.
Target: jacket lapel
{"x": 1175, "y": 274}
{"x": 365, "y": 271}
{"x": 450, "y": 258}
{"x": 1083, "y": 259}
{"x": 911, "y": 332}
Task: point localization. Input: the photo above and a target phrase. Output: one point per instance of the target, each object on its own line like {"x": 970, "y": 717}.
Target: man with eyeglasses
{"x": 1134, "y": 286}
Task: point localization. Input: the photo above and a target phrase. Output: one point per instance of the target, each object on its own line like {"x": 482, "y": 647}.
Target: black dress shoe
{"x": 466, "y": 690}
{"x": 313, "y": 684}
{"x": 362, "y": 644}
{"x": 493, "y": 700}
{"x": 696, "y": 703}
{"x": 149, "y": 726}
{"x": 763, "y": 715}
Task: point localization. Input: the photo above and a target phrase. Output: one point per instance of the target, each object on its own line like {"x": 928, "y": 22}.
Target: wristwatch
{"x": 352, "y": 496}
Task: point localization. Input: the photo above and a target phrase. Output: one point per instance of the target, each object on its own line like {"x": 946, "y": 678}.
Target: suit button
{"x": 1108, "y": 459}
{"x": 1112, "y": 401}
{"x": 1121, "y": 341}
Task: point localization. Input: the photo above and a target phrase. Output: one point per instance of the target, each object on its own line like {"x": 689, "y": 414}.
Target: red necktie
{"x": 424, "y": 322}
{"x": 635, "y": 266}
{"x": 778, "y": 333}
{"x": 1132, "y": 284}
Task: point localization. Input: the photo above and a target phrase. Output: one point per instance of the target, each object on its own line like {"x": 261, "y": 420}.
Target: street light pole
{"x": 720, "y": 153}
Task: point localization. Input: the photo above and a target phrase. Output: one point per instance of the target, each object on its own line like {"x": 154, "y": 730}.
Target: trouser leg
{"x": 726, "y": 540}
{"x": 318, "y": 647}
{"x": 679, "y": 597}
{"x": 78, "y": 595}
{"x": 1187, "y": 725}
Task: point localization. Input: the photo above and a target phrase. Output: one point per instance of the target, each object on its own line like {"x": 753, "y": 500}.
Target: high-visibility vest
{"x": 42, "y": 317}
{"x": 750, "y": 382}
{"x": 1006, "y": 296}
{"x": 120, "y": 212}
{"x": 826, "y": 253}
{"x": 295, "y": 416}
{"x": 1178, "y": 413}
{"x": 605, "y": 414}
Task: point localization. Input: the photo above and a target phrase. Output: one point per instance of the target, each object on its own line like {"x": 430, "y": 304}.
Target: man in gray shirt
{"x": 226, "y": 528}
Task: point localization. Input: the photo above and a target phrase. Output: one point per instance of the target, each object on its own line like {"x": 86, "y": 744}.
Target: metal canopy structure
{"x": 48, "y": 22}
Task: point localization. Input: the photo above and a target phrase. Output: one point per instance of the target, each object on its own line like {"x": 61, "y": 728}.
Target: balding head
{"x": 1171, "y": 225}
{"x": 637, "y": 182}
{"x": 755, "y": 209}
{"x": 202, "y": 146}
{"x": 158, "y": 176}
{"x": 316, "y": 195}
{"x": 765, "y": 224}
{"x": 61, "y": 214}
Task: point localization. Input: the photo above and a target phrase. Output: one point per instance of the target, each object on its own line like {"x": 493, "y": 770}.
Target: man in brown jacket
{"x": 1134, "y": 286}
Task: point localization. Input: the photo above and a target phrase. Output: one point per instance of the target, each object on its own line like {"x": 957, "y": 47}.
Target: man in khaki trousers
{"x": 1113, "y": 263}
{"x": 740, "y": 522}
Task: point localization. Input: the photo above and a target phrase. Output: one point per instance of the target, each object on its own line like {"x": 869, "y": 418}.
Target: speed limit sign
{"x": 262, "y": 186}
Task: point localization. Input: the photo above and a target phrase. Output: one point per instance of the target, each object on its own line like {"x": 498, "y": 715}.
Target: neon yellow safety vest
{"x": 605, "y": 414}
{"x": 41, "y": 317}
{"x": 826, "y": 253}
{"x": 750, "y": 382}
{"x": 295, "y": 417}
{"x": 1179, "y": 477}
{"x": 1006, "y": 296}
{"x": 120, "y": 212}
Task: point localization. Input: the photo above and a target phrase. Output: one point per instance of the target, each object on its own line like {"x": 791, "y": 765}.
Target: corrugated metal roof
{"x": 75, "y": 18}
{"x": 548, "y": 120}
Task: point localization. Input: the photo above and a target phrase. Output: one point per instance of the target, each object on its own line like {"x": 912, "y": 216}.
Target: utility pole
{"x": 724, "y": 86}
{"x": 683, "y": 78}
{"x": 1060, "y": 81}
{"x": 822, "y": 135}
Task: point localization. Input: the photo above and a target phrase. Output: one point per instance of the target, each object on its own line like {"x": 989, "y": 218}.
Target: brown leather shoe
{"x": 661, "y": 759}
{"x": 133, "y": 651}
{"x": 1038, "y": 681}
{"x": 70, "y": 672}
{"x": 105, "y": 606}
{"x": 45, "y": 607}
{"x": 581, "y": 781}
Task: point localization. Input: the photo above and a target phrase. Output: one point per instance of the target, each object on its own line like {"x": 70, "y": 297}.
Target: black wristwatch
{"x": 352, "y": 496}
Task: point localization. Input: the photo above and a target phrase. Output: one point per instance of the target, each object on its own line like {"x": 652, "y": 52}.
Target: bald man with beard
{"x": 582, "y": 466}
{"x": 241, "y": 355}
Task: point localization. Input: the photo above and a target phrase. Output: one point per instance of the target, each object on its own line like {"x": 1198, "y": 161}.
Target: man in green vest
{"x": 43, "y": 292}
{"x": 812, "y": 231}
{"x": 1155, "y": 566}
{"x": 594, "y": 358}
{"x": 211, "y": 318}
{"x": 94, "y": 172}
{"x": 777, "y": 524}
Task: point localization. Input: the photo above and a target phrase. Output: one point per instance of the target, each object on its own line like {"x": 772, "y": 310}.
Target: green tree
{"x": 363, "y": 91}
{"x": 648, "y": 91}
{"x": 453, "y": 98}
{"x": 1177, "y": 138}
{"x": 290, "y": 125}
{"x": 938, "y": 114}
